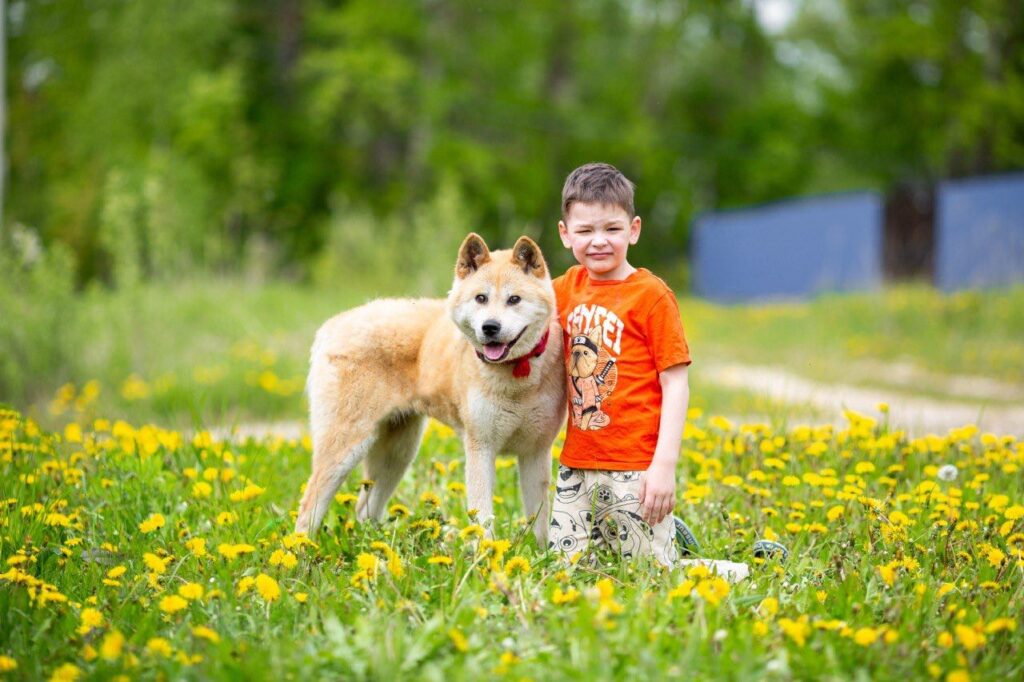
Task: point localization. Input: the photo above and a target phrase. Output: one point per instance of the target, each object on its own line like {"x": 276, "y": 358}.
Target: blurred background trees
{"x": 314, "y": 138}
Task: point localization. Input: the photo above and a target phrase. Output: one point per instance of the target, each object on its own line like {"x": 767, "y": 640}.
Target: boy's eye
{"x": 512, "y": 300}
{"x": 481, "y": 298}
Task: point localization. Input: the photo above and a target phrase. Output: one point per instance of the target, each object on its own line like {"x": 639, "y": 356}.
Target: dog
{"x": 487, "y": 361}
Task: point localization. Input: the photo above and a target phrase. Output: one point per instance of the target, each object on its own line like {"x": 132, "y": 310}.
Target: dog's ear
{"x": 526, "y": 254}
{"x": 595, "y": 335}
{"x": 472, "y": 254}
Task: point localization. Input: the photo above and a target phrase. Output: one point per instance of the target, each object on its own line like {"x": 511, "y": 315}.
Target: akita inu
{"x": 496, "y": 376}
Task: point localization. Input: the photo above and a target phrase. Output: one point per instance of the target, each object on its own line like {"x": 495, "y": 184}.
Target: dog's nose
{"x": 491, "y": 327}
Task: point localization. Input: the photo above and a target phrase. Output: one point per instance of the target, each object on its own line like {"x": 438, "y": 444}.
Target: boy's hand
{"x": 657, "y": 492}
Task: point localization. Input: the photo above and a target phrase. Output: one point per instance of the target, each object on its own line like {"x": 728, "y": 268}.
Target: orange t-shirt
{"x": 617, "y": 336}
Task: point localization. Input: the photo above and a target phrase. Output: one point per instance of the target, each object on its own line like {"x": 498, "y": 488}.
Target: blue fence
{"x": 790, "y": 249}
{"x": 979, "y": 232}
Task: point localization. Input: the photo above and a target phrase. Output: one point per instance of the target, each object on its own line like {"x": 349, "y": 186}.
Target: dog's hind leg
{"x": 395, "y": 447}
{"x": 335, "y": 455}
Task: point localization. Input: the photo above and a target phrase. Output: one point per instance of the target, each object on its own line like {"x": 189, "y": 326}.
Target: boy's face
{"x": 599, "y": 236}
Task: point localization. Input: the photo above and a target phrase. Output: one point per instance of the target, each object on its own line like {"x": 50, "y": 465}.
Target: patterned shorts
{"x": 594, "y": 509}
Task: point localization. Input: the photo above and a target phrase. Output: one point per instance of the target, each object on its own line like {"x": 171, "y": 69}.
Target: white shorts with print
{"x": 595, "y": 508}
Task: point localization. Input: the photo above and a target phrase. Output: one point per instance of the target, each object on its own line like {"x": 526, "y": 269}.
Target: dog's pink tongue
{"x": 493, "y": 351}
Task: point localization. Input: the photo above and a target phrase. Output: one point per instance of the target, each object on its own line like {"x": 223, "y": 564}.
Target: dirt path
{"x": 916, "y": 414}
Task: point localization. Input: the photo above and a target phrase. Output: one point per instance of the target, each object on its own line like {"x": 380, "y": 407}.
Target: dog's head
{"x": 502, "y": 300}
{"x": 583, "y": 352}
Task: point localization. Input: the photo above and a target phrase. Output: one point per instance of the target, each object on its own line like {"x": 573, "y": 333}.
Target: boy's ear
{"x": 563, "y": 234}
{"x": 472, "y": 254}
{"x": 526, "y": 254}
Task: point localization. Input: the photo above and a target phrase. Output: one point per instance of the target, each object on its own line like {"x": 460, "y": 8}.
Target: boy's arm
{"x": 658, "y": 483}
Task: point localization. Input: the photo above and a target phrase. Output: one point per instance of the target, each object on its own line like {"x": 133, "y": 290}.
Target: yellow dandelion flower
{"x": 267, "y": 587}
{"x": 250, "y": 492}
{"x": 231, "y": 551}
{"x": 201, "y": 489}
{"x": 7, "y": 664}
{"x": 472, "y": 530}
{"x": 283, "y": 558}
{"x": 116, "y": 572}
{"x": 152, "y": 523}
{"x": 430, "y": 498}
{"x": 158, "y": 646}
{"x": 866, "y": 636}
{"x": 206, "y": 633}
{"x": 301, "y": 597}
{"x": 226, "y": 518}
{"x": 398, "y": 511}
{"x": 191, "y": 591}
{"x": 958, "y": 675}
{"x": 245, "y": 584}
{"x": 568, "y": 597}
{"x": 835, "y": 512}
{"x": 769, "y": 606}
{"x": 173, "y": 604}
{"x": 995, "y": 556}
{"x": 155, "y": 563}
{"x": 91, "y": 618}
{"x": 446, "y": 560}
{"x": 796, "y": 630}
{"x": 68, "y": 672}
{"x": 1000, "y": 624}
{"x": 197, "y": 546}
{"x": 458, "y": 640}
{"x": 112, "y": 646}
{"x": 969, "y": 638}
{"x": 517, "y": 564}
{"x": 1013, "y": 513}
{"x": 713, "y": 590}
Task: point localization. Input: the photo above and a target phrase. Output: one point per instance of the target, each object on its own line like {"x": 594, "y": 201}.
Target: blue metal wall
{"x": 979, "y": 232}
{"x": 790, "y": 249}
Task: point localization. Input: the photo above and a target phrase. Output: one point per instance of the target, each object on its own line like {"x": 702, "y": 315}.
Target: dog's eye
{"x": 512, "y": 300}
{"x": 481, "y": 298}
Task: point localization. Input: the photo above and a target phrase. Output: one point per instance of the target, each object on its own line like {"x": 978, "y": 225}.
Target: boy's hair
{"x": 599, "y": 183}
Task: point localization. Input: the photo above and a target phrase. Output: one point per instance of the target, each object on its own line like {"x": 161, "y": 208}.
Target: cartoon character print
{"x": 571, "y": 528}
{"x": 618, "y": 520}
{"x": 592, "y": 377}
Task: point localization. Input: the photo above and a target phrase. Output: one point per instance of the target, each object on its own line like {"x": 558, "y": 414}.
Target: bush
{"x": 36, "y": 306}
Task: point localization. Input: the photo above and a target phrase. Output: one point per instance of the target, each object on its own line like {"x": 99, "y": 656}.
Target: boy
{"x": 627, "y": 364}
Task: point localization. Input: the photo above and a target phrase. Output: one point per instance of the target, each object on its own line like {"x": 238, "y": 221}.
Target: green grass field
{"x": 146, "y": 553}
{"x": 220, "y": 352}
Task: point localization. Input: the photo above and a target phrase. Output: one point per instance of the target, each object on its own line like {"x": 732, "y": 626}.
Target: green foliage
{"x": 36, "y": 300}
{"x": 181, "y": 134}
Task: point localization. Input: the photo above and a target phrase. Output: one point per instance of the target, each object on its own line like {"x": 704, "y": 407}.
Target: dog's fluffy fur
{"x": 378, "y": 371}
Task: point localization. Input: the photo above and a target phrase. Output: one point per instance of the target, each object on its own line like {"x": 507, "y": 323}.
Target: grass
{"x": 215, "y": 352}
{"x": 896, "y": 570}
{"x": 843, "y": 337}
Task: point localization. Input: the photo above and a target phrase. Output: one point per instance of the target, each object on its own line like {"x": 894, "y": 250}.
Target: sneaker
{"x": 767, "y": 549}
{"x": 685, "y": 538}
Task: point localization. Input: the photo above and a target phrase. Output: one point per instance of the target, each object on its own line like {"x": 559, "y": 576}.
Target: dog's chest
{"x": 508, "y": 424}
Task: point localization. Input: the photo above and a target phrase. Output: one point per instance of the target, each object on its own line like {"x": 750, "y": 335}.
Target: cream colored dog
{"x": 496, "y": 376}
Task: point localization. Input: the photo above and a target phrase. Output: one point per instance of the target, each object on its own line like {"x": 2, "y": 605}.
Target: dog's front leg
{"x": 535, "y": 484}
{"x": 480, "y": 482}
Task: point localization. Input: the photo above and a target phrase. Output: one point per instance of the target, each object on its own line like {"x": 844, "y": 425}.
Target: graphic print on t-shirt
{"x": 595, "y": 333}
